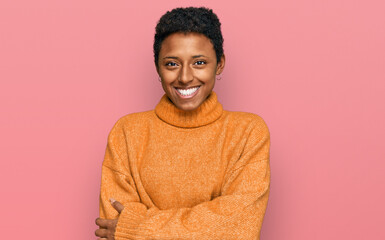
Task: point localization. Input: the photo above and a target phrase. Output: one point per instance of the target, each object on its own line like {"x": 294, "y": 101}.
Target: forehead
{"x": 187, "y": 44}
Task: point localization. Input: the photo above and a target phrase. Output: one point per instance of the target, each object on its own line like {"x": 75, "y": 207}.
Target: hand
{"x": 107, "y": 227}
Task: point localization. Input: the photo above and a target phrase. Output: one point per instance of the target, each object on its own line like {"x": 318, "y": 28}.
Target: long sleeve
{"x": 236, "y": 214}
{"x": 117, "y": 181}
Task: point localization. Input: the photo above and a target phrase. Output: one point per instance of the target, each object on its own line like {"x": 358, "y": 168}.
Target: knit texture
{"x": 200, "y": 174}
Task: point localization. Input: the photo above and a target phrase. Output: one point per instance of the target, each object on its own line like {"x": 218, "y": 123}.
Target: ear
{"x": 221, "y": 65}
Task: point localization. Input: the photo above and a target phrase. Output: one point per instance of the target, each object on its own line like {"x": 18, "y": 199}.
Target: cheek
{"x": 205, "y": 75}
{"x": 168, "y": 76}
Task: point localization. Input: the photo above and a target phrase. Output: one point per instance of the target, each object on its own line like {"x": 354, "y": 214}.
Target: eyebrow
{"x": 198, "y": 56}
{"x": 195, "y": 56}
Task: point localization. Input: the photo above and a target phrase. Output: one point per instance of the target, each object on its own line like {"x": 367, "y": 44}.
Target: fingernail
{"x": 112, "y": 200}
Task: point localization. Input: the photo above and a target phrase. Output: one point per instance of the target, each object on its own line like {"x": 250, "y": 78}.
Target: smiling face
{"x": 188, "y": 66}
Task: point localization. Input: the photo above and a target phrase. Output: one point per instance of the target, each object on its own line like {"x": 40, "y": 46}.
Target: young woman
{"x": 187, "y": 169}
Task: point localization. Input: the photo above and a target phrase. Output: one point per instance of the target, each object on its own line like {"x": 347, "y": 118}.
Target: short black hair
{"x": 191, "y": 19}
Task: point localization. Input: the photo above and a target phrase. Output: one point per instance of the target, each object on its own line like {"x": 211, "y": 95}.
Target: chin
{"x": 191, "y": 104}
{"x": 187, "y": 107}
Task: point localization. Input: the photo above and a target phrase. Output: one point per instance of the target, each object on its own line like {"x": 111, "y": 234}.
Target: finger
{"x": 117, "y": 205}
{"x": 101, "y": 232}
{"x": 103, "y": 223}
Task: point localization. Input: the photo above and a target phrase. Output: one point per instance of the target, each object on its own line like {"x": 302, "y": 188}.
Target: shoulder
{"x": 246, "y": 118}
{"x": 253, "y": 122}
{"x": 133, "y": 121}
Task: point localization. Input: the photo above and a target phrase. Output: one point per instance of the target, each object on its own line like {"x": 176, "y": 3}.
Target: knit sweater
{"x": 200, "y": 174}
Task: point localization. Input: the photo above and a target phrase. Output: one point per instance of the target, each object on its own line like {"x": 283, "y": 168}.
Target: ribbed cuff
{"x": 129, "y": 220}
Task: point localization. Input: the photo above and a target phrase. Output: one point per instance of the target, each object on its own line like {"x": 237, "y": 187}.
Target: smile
{"x": 187, "y": 93}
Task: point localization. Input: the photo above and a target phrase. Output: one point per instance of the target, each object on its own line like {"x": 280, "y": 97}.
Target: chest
{"x": 182, "y": 169}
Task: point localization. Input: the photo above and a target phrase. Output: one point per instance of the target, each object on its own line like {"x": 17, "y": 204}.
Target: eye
{"x": 171, "y": 64}
{"x": 200, "y": 62}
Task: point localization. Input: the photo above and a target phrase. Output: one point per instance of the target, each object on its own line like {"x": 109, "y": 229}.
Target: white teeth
{"x": 187, "y": 91}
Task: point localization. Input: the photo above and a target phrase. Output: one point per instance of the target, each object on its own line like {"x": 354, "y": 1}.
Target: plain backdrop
{"x": 314, "y": 70}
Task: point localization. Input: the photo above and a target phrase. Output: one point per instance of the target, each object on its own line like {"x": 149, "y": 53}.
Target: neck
{"x": 209, "y": 111}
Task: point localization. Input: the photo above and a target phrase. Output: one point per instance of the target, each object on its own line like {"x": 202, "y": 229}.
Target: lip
{"x": 187, "y": 97}
{"x": 184, "y": 88}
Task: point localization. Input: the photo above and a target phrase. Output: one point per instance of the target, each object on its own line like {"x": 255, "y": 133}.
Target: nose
{"x": 186, "y": 74}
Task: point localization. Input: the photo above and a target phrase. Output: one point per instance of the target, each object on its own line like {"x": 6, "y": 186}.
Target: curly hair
{"x": 191, "y": 19}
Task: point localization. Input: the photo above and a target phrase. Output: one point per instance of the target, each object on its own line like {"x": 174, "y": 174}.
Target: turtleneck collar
{"x": 209, "y": 111}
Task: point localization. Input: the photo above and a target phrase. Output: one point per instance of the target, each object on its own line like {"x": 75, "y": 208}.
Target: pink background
{"x": 314, "y": 70}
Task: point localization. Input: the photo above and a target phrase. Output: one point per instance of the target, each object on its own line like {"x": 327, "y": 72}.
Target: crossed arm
{"x": 236, "y": 214}
{"x": 107, "y": 227}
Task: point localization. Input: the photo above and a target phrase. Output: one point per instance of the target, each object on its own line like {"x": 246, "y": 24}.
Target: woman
{"x": 187, "y": 169}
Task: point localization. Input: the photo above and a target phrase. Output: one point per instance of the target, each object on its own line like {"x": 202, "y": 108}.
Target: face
{"x": 188, "y": 66}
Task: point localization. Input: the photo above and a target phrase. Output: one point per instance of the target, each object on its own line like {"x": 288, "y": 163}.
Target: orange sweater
{"x": 202, "y": 174}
